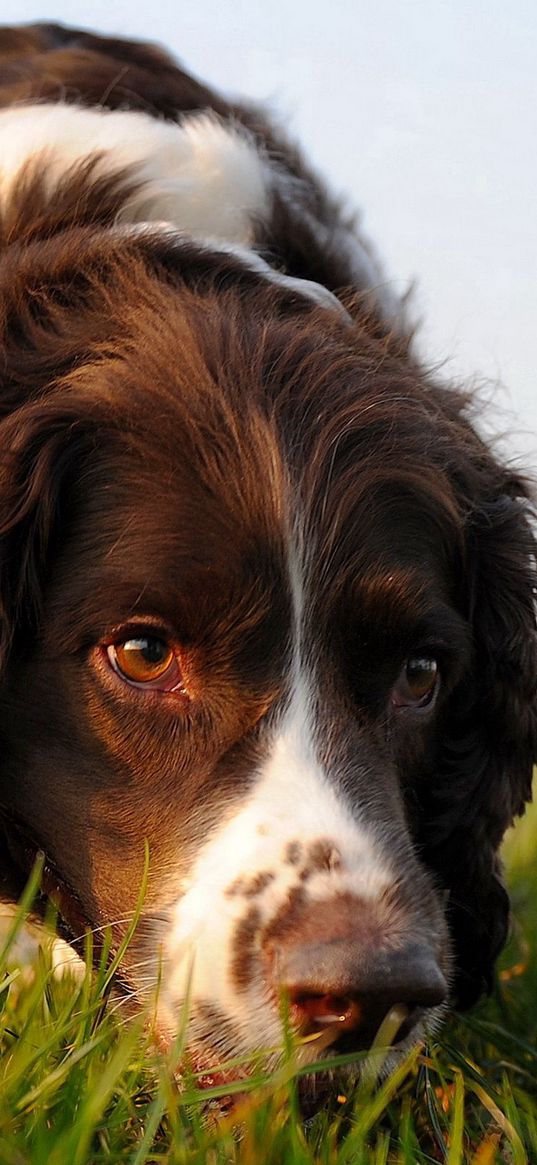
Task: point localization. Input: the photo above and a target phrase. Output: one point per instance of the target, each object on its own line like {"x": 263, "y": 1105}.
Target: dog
{"x": 267, "y": 598}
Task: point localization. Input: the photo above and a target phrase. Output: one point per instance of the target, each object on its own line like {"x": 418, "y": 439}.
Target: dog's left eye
{"x": 417, "y": 683}
{"x": 146, "y": 661}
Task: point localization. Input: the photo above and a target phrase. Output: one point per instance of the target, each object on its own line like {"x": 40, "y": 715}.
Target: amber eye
{"x": 146, "y": 661}
{"x": 417, "y": 683}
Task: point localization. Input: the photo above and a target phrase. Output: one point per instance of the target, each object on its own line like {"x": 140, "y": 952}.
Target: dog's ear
{"x": 54, "y": 313}
{"x": 489, "y": 743}
{"x": 41, "y": 446}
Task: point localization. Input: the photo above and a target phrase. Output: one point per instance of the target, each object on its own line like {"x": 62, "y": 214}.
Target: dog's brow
{"x": 404, "y": 601}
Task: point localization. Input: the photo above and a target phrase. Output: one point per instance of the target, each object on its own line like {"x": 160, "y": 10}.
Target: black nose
{"x": 352, "y": 980}
{"x": 360, "y": 988}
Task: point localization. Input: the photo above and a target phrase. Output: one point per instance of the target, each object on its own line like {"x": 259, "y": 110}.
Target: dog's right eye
{"x": 146, "y": 661}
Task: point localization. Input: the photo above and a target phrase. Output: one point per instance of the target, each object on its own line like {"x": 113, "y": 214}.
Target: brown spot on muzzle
{"x": 250, "y": 887}
{"x": 288, "y": 915}
{"x": 257, "y": 884}
{"x": 292, "y": 853}
{"x": 250, "y": 936}
{"x": 322, "y": 857}
{"x": 244, "y": 949}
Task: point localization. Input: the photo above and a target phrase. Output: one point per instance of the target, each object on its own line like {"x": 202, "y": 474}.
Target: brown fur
{"x": 166, "y": 418}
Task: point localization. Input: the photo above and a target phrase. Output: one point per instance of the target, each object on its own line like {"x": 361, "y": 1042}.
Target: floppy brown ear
{"x": 54, "y": 311}
{"x": 489, "y": 735}
{"x": 41, "y": 444}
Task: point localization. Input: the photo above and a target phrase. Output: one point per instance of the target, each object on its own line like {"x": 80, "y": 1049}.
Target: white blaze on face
{"x": 291, "y": 805}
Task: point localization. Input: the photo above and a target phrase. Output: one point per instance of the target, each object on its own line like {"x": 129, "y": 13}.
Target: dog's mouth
{"x": 352, "y": 1033}
{"x": 229, "y": 1086}
{"x": 346, "y": 1023}
{"x": 322, "y": 1026}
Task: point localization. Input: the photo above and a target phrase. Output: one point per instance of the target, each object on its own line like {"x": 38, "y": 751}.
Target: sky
{"x": 422, "y": 114}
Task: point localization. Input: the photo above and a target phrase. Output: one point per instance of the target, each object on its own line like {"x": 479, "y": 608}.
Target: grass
{"x": 78, "y": 1086}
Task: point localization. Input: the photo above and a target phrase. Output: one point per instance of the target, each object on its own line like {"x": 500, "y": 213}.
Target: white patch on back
{"x": 205, "y": 176}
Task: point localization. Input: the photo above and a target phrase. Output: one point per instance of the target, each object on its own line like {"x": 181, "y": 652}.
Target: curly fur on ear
{"x": 489, "y": 740}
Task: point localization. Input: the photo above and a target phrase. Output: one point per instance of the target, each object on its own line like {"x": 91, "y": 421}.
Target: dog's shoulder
{"x": 213, "y": 167}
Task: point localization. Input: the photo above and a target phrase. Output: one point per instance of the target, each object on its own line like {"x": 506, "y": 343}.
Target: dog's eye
{"x": 417, "y": 684}
{"x": 146, "y": 661}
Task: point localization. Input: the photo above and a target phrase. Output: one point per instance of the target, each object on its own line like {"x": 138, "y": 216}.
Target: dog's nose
{"x": 360, "y": 987}
{"x": 351, "y": 983}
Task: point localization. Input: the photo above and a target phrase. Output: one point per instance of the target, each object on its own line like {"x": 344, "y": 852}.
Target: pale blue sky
{"x": 424, "y": 114}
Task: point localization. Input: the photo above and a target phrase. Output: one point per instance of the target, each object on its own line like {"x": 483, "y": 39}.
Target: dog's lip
{"x": 207, "y": 1077}
{"x": 311, "y": 1096}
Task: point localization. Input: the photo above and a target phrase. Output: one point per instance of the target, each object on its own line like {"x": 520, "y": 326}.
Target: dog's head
{"x": 266, "y": 602}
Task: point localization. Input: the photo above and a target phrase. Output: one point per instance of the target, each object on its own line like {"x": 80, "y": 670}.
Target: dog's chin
{"x": 316, "y": 1086}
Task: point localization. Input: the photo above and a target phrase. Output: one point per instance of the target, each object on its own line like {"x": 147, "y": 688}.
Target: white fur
{"x": 292, "y": 800}
{"x": 204, "y": 176}
{"x": 30, "y": 939}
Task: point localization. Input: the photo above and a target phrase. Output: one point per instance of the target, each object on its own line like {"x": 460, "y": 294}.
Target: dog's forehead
{"x": 150, "y": 535}
{"x": 195, "y": 566}
{"x": 233, "y": 450}
{"x": 219, "y": 580}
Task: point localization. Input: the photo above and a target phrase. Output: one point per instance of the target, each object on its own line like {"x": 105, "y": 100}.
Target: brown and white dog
{"x": 266, "y": 597}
